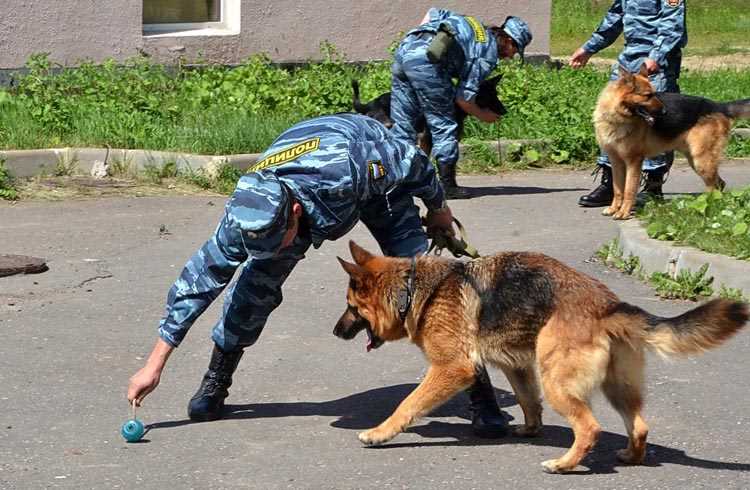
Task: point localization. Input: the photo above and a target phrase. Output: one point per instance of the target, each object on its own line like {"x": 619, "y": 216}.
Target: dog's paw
{"x": 622, "y": 215}
{"x": 554, "y": 466}
{"x": 527, "y": 431}
{"x": 374, "y": 437}
{"x": 629, "y": 457}
{"x": 609, "y": 211}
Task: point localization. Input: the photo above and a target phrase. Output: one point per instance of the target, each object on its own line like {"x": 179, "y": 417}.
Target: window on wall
{"x": 190, "y": 17}
{"x": 181, "y": 11}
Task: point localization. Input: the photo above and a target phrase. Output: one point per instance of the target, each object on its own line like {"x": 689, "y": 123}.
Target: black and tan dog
{"x": 634, "y": 122}
{"x": 522, "y": 311}
{"x": 379, "y": 108}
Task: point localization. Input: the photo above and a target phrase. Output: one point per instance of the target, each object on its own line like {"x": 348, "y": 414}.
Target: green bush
{"x": 217, "y": 110}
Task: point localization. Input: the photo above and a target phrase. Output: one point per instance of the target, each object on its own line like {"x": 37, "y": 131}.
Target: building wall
{"x": 288, "y": 31}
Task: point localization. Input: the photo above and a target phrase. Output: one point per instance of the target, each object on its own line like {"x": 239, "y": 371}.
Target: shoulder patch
{"x": 287, "y": 154}
{"x": 674, "y": 3}
{"x": 376, "y": 169}
{"x": 480, "y": 35}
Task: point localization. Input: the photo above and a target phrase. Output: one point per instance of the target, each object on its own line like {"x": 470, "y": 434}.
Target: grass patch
{"x": 715, "y": 222}
{"x": 217, "y": 110}
{"x": 8, "y": 189}
{"x": 687, "y": 285}
{"x": 714, "y": 27}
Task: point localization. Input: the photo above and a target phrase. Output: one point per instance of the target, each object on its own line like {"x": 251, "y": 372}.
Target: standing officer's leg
{"x": 657, "y": 168}
{"x": 394, "y": 222}
{"x": 603, "y": 194}
{"x": 405, "y": 109}
{"x": 252, "y": 298}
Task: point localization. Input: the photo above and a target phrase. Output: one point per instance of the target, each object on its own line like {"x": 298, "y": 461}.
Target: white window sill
{"x": 187, "y": 32}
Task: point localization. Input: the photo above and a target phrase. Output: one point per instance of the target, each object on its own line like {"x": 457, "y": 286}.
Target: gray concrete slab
{"x": 71, "y": 338}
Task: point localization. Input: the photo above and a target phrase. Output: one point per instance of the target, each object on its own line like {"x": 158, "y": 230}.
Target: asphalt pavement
{"x": 71, "y": 337}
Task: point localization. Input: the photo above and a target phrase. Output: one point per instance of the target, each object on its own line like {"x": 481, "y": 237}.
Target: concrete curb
{"x": 660, "y": 256}
{"x": 28, "y": 163}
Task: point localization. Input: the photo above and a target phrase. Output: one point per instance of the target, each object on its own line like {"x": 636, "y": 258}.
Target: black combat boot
{"x": 208, "y": 401}
{"x": 487, "y": 419}
{"x": 450, "y": 186}
{"x": 653, "y": 181}
{"x": 603, "y": 194}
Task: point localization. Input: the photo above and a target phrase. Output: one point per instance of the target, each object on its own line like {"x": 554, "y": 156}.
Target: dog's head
{"x": 637, "y": 96}
{"x": 487, "y": 96}
{"x": 371, "y": 298}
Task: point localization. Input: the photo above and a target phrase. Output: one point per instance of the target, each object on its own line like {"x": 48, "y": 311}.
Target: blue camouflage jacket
{"x": 653, "y": 29}
{"x": 478, "y": 55}
{"x": 334, "y": 165}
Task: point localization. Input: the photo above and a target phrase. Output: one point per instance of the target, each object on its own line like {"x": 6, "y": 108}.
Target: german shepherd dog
{"x": 379, "y": 108}
{"x": 520, "y": 311}
{"x": 634, "y": 122}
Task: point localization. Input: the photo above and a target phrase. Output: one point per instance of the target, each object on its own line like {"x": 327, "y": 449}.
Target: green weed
{"x": 7, "y": 186}
{"x": 687, "y": 284}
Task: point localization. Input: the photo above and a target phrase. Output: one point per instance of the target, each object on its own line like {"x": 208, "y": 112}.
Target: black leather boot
{"x": 487, "y": 419}
{"x": 603, "y": 194}
{"x": 450, "y": 186}
{"x": 653, "y": 182}
{"x": 208, "y": 401}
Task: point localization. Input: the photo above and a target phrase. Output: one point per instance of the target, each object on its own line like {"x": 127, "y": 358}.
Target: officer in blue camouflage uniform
{"x": 422, "y": 86}
{"x": 655, "y": 34}
{"x": 314, "y": 183}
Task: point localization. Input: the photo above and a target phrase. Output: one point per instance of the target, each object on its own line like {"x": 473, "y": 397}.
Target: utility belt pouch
{"x": 441, "y": 43}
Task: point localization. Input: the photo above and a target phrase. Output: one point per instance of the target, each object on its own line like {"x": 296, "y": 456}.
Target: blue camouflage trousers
{"x": 420, "y": 87}
{"x": 663, "y": 81}
{"x": 394, "y": 222}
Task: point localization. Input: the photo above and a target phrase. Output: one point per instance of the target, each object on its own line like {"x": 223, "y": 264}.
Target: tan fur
{"x": 588, "y": 340}
{"x": 628, "y": 140}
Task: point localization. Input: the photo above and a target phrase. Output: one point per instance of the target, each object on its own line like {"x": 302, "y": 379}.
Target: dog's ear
{"x": 624, "y": 74}
{"x": 359, "y": 254}
{"x": 495, "y": 80}
{"x": 354, "y": 271}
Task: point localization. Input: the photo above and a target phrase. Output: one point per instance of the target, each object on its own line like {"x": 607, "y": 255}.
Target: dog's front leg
{"x": 632, "y": 179}
{"x": 618, "y": 184}
{"x": 439, "y": 385}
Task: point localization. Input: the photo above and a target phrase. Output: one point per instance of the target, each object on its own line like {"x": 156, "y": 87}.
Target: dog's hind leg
{"x": 706, "y": 165}
{"x": 569, "y": 374}
{"x": 525, "y": 385}
{"x": 622, "y": 387}
{"x": 439, "y": 385}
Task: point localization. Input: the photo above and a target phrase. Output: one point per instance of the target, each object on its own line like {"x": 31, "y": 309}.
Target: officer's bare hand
{"x": 580, "y": 58}
{"x": 142, "y": 383}
{"x": 442, "y": 219}
{"x": 488, "y": 116}
{"x": 651, "y": 66}
{"x": 147, "y": 378}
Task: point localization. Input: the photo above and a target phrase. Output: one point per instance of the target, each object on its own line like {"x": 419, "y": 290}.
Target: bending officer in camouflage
{"x": 655, "y": 34}
{"x": 422, "y": 84}
{"x": 314, "y": 183}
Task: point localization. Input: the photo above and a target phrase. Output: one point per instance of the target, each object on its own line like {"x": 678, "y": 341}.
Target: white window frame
{"x": 229, "y": 24}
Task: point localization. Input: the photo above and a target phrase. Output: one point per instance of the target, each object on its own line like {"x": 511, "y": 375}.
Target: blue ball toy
{"x": 132, "y": 430}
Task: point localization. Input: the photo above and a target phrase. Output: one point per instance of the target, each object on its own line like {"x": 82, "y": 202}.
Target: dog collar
{"x": 406, "y": 294}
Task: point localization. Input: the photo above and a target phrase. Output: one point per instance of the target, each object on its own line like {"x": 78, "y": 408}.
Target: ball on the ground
{"x": 132, "y": 430}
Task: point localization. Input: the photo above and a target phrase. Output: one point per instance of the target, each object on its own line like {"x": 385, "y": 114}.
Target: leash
{"x": 457, "y": 245}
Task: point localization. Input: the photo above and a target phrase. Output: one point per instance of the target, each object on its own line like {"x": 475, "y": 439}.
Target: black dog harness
{"x": 406, "y": 295}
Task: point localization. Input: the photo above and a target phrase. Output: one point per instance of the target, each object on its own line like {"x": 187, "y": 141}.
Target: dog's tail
{"x": 739, "y": 109}
{"x": 693, "y": 332}
{"x": 356, "y": 102}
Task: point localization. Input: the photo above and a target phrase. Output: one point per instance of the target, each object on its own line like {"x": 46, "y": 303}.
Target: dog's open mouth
{"x": 373, "y": 341}
{"x": 646, "y": 116}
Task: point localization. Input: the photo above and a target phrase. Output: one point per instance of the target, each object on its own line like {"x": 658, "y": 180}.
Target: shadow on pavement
{"x": 515, "y": 190}
{"x": 368, "y": 408}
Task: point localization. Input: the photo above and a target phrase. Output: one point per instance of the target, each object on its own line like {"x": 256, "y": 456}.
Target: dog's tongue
{"x": 369, "y": 340}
